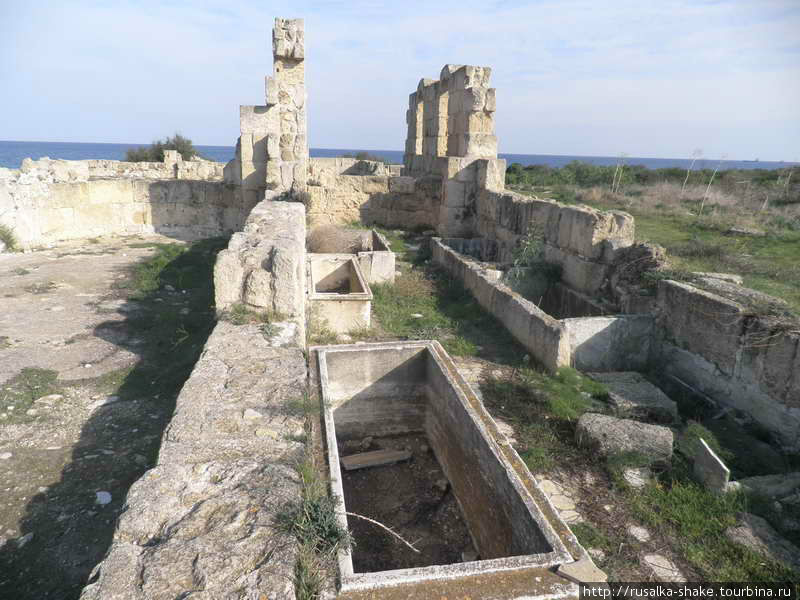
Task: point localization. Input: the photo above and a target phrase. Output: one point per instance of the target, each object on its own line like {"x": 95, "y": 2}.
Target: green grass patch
{"x": 151, "y": 274}
{"x": 769, "y": 264}
{"x": 543, "y": 410}
{"x": 591, "y": 537}
{"x": 302, "y": 406}
{"x": 172, "y": 334}
{"x": 696, "y": 520}
{"x": 689, "y": 442}
{"x": 313, "y": 523}
{"x": 20, "y": 392}
{"x": 424, "y": 303}
{"x": 239, "y": 314}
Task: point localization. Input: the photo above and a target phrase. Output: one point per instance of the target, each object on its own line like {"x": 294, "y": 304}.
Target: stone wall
{"x": 591, "y": 343}
{"x": 542, "y": 335}
{"x": 385, "y": 200}
{"x": 718, "y": 347}
{"x": 583, "y": 240}
{"x": 202, "y": 522}
{"x": 47, "y": 201}
{"x": 264, "y": 265}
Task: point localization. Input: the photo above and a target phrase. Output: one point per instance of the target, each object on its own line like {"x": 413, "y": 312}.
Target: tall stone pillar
{"x": 272, "y": 151}
{"x": 415, "y": 116}
{"x": 471, "y": 113}
{"x": 470, "y": 144}
{"x": 286, "y": 89}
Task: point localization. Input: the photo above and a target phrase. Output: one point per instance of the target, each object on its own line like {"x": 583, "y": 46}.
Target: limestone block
{"x": 756, "y": 533}
{"x": 580, "y": 274}
{"x": 455, "y": 194}
{"x": 378, "y": 184}
{"x": 491, "y": 174}
{"x": 271, "y": 90}
{"x": 401, "y": 185}
{"x": 586, "y": 231}
{"x": 702, "y": 322}
{"x": 288, "y": 39}
{"x": 609, "y": 435}
{"x": 468, "y": 76}
{"x": 254, "y": 119}
{"x": 478, "y": 144}
{"x": 480, "y": 122}
{"x": 630, "y": 393}
{"x": 709, "y": 469}
{"x": 491, "y": 101}
{"x": 447, "y": 72}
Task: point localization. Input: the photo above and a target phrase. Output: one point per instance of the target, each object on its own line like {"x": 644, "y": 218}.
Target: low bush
{"x": 8, "y": 238}
{"x": 155, "y": 151}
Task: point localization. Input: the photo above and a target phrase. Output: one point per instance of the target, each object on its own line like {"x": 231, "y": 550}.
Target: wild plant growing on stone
{"x": 695, "y": 155}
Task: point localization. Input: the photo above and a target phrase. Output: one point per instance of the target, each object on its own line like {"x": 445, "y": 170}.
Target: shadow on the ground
{"x": 167, "y": 329}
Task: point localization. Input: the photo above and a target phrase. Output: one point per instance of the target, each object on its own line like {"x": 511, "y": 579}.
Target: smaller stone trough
{"x": 338, "y": 292}
{"x": 401, "y": 389}
{"x": 368, "y": 247}
{"x": 588, "y": 343}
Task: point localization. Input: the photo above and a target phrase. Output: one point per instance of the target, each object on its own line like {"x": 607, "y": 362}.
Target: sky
{"x": 646, "y": 78}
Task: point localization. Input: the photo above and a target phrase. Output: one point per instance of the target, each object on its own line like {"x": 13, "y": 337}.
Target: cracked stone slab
{"x": 663, "y": 568}
{"x": 633, "y": 396}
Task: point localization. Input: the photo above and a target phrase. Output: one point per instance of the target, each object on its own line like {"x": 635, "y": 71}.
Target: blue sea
{"x": 12, "y": 154}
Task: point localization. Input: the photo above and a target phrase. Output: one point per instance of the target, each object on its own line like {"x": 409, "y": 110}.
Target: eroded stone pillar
{"x": 471, "y": 113}
{"x": 272, "y": 151}
{"x": 287, "y": 90}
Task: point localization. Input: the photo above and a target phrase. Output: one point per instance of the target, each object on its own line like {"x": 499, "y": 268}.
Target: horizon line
{"x": 616, "y": 156}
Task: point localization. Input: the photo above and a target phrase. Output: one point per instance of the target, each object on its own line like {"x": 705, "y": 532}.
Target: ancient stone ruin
{"x": 202, "y": 523}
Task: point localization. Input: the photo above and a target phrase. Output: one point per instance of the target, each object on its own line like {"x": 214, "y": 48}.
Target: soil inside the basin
{"x": 413, "y": 498}
{"x": 340, "y": 288}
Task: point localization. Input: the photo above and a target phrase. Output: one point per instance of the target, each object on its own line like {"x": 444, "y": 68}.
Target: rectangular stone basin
{"x": 400, "y": 388}
{"x": 338, "y": 292}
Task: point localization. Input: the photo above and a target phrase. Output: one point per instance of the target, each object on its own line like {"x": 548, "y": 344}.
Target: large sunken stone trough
{"x": 338, "y": 292}
{"x": 411, "y": 446}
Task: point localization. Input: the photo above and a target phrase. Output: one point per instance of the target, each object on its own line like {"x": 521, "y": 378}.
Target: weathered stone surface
{"x": 710, "y": 470}
{"x": 202, "y": 522}
{"x": 609, "y": 435}
{"x": 755, "y": 533}
{"x": 582, "y": 571}
{"x": 63, "y": 200}
{"x": 633, "y": 396}
{"x": 611, "y": 344}
{"x": 772, "y": 486}
{"x": 264, "y": 266}
{"x": 663, "y": 568}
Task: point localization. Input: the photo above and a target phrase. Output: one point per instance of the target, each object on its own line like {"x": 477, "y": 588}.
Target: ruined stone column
{"x": 272, "y": 150}
{"x": 470, "y": 144}
{"x": 414, "y": 120}
{"x": 471, "y": 113}
{"x": 288, "y": 154}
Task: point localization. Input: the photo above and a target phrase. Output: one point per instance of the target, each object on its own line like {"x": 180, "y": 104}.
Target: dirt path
{"x": 82, "y": 409}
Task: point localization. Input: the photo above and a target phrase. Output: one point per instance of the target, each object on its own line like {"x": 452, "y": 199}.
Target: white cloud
{"x": 573, "y": 77}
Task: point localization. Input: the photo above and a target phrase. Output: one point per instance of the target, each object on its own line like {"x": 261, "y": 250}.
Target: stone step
{"x": 376, "y": 458}
{"x": 634, "y": 397}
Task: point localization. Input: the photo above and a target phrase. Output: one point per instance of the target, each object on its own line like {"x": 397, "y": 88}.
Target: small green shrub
{"x": 530, "y": 274}
{"x": 313, "y": 522}
{"x": 366, "y": 156}
{"x": 8, "y": 237}
{"x": 155, "y": 151}
{"x": 689, "y": 442}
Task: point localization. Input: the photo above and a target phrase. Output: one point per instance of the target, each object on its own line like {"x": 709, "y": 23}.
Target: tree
{"x": 155, "y": 151}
